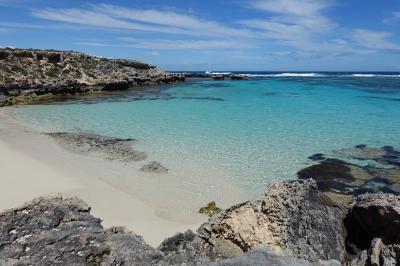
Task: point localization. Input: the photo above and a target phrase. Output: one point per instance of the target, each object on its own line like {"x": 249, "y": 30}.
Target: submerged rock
{"x": 293, "y": 219}
{"x": 210, "y": 209}
{"x": 355, "y": 171}
{"x": 88, "y": 143}
{"x": 154, "y": 167}
{"x": 239, "y": 77}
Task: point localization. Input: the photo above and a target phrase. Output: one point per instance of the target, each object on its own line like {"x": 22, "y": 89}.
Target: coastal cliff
{"x": 293, "y": 224}
{"x": 28, "y": 75}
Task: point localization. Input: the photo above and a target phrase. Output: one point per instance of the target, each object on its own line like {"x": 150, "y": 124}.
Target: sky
{"x": 205, "y": 35}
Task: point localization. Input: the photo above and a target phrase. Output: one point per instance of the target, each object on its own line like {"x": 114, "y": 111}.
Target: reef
{"x": 349, "y": 172}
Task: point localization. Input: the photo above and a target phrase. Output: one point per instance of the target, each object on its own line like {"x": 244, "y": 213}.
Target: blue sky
{"x": 270, "y": 35}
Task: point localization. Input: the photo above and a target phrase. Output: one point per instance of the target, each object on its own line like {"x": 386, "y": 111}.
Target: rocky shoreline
{"x": 28, "y": 75}
{"x": 293, "y": 224}
{"x": 344, "y": 210}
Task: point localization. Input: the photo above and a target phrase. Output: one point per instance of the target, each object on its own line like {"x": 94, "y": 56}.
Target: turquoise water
{"x": 253, "y": 131}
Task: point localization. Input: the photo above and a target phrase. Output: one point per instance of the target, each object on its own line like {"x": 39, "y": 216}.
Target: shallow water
{"x": 249, "y": 132}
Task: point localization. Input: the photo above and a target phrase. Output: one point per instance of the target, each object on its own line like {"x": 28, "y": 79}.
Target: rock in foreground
{"x": 293, "y": 224}
{"x": 293, "y": 219}
{"x": 53, "y": 230}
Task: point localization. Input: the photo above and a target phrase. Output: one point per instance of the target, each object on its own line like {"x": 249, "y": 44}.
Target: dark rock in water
{"x": 219, "y": 77}
{"x": 188, "y": 248}
{"x": 328, "y": 169}
{"x": 388, "y": 148}
{"x": 330, "y": 174}
{"x": 293, "y": 218}
{"x": 154, "y": 167}
{"x": 53, "y": 230}
{"x": 210, "y": 209}
{"x": 360, "y": 146}
{"x": 109, "y": 147}
{"x": 374, "y": 215}
{"x": 317, "y": 157}
{"x": 376, "y": 170}
{"x": 239, "y": 77}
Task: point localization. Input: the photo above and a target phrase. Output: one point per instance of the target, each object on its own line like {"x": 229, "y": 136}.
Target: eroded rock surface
{"x": 31, "y": 75}
{"x": 374, "y": 216}
{"x": 293, "y": 224}
{"x": 293, "y": 219}
{"x": 54, "y": 230}
{"x": 188, "y": 248}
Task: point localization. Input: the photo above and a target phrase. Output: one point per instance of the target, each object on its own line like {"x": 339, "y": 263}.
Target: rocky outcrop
{"x": 188, "y": 249}
{"x": 32, "y": 75}
{"x": 374, "y": 216}
{"x": 293, "y": 224}
{"x": 373, "y": 226}
{"x": 293, "y": 219}
{"x": 262, "y": 256}
{"x": 54, "y": 230}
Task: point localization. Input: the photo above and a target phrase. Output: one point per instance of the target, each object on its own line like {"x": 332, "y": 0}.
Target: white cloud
{"x": 166, "y": 44}
{"x": 184, "y": 44}
{"x": 110, "y": 16}
{"x": 304, "y": 8}
{"x": 172, "y": 19}
{"x": 154, "y": 53}
{"x": 95, "y": 44}
{"x": 96, "y": 19}
{"x": 374, "y": 39}
{"x": 394, "y": 17}
{"x": 292, "y": 22}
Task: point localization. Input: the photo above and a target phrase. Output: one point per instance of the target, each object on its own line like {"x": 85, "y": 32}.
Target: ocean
{"x": 249, "y": 132}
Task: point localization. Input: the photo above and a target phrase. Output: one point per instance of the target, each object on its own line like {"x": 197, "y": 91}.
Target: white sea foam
{"x": 287, "y": 75}
{"x": 364, "y": 75}
{"x": 218, "y": 73}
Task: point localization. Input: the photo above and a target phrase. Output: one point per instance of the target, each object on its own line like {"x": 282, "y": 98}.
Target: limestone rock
{"x": 261, "y": 257}
{"x": 53, "y": 230}
{"x": 292, "y": 219}
{"x": 391, "y": 255}
{"x": 28, "y": 75}
{"x": 374, "y": 215}
{"x": 189, "y": 249}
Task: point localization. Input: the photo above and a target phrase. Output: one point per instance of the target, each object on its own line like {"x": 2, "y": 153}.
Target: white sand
{"x": 32, "y": 165}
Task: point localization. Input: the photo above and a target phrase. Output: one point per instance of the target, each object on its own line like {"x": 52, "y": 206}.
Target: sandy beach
{"x": 34, "y": 165}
